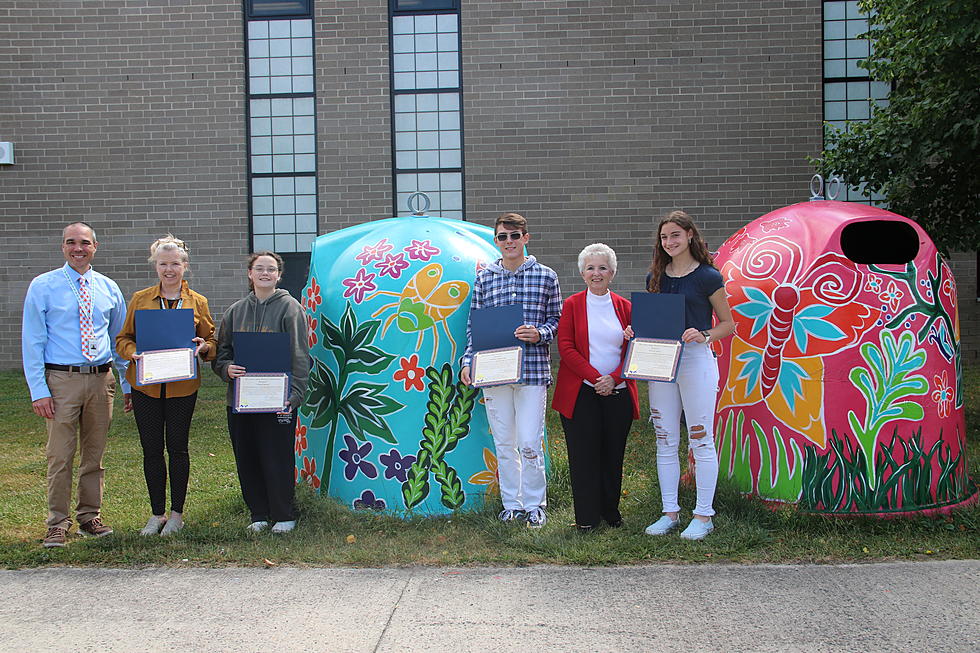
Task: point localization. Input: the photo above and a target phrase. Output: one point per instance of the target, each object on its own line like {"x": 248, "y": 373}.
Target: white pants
{"x": 516, "y": 416}
{"x": 695, "y": 392}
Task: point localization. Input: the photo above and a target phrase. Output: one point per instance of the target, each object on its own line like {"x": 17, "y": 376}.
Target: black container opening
{"x": 296, "y": 273}
{"x": 879, "y": 242}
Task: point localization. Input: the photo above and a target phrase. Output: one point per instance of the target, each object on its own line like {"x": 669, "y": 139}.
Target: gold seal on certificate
{"x": 261, "y": 392}
{"x": 497, "y": 366}
{"x": 653, "y": 359}
{"x": 165, "y": 365}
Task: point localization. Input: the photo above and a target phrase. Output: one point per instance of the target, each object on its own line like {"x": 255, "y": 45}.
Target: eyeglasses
{"x": 262, "y": 270}
{"x": 513, "y": 235}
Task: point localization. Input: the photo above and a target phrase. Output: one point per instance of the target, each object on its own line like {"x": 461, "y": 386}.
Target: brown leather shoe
{"x": 56, "y": 537}
{"x": 95, "y": 528}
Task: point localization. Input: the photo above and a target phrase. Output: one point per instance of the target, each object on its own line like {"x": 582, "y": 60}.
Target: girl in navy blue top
{"x": 682, "y": 265}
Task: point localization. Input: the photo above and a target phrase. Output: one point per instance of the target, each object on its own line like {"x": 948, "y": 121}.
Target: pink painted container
{"x": 840, "y": 391}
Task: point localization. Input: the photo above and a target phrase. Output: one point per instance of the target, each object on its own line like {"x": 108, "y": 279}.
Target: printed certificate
{"x": 165, "y": 365}
{"x": 653, "y": 359}
{"x": 261, "y": 392}
{"x": 497, "y": 366}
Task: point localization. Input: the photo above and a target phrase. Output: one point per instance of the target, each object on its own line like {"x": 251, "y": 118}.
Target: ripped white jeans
{"x": 516, "y": 416}
{"x": 695, "y": 392}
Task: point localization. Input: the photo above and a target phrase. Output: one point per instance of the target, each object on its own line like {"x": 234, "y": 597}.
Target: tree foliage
{"x": 922, "y": 149}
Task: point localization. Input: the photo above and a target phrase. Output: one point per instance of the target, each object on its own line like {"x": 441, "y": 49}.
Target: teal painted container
{"x": 385, "y": 424}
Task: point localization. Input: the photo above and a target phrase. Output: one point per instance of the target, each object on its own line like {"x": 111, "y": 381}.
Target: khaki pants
{"x": 82, "y": 414}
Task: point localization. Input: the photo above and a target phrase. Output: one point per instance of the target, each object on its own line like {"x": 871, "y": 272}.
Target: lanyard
{"x": 78, "y": 297}
{"x": 163, "y": 303}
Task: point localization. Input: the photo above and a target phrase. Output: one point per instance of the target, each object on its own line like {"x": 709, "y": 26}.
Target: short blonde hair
{"x": 597, "y": 249}
{"x": 168, "y": 243}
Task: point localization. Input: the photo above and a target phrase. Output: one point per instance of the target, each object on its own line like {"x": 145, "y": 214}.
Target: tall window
{"x": 281, "y": 126}
{"x": 426, "y": 104}
{"x": 849, "y": 94}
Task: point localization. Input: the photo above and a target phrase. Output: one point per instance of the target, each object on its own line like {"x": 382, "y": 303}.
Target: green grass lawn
{"x": 328, "y": 534}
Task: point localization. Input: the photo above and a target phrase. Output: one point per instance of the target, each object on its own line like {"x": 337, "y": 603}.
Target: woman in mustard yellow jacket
{"x": 163, "y": 411}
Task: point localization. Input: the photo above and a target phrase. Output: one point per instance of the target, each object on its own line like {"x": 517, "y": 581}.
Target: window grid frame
{"x": 394, "y": 94}
{"x": 848, "y": 18}
{"x": 252, "y": 175}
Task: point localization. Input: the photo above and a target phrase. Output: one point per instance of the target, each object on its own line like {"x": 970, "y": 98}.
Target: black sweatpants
{"x": 165, "y": 422}
{"x": 596, "y": 441}
{"x": 263, "y": 449}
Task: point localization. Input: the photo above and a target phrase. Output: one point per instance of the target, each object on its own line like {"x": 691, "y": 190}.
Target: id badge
{"x": 90, "y": 347}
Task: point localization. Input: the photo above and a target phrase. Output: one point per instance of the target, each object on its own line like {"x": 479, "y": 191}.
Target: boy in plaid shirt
{"x": 516, "y": 411}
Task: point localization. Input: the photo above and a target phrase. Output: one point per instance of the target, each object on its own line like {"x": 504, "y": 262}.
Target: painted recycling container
{"x": 385, "y": 424}
{"x": 841, "y": 391}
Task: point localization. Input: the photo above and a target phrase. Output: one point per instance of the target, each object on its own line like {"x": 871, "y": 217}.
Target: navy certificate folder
{"x": 493, "y": 327}
{"x": 259, "y": 351}
{"x": 658, "y": 315}
{"x": 172, "y": 328}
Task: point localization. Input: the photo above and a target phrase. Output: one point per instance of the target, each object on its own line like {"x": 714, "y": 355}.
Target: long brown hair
{"x": 698, "y": 248}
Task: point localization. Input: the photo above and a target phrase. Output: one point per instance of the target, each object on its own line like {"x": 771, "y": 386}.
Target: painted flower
{"x": 367, "y": 501}
{"x": 301, "y": 443}
{"x": 355, "y": 457}
{"x": 421, "y": 250}
{"x": 396, "y": 465}
{"x": 943, "y": 394}
{"x": 374, "y": 252}
{"x": 948, "y": 287}
{"x": 392, "y": 266}
{"x": 313, "y": 298}
{"x": 311, "y": 336}
{"x": 411, "y": 374}
{"x": 359, "y": 285}
{"x": 892, "y": 296}
{"x": 308, "y": 473}
{"x": 488, "y": 476}
{"x": 873, "y": 283}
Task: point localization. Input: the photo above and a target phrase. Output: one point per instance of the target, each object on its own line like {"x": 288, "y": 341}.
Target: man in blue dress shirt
{"x": 71, "y": 318}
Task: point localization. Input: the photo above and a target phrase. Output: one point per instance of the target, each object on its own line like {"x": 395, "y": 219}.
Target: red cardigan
{"x": 573, "y": 346}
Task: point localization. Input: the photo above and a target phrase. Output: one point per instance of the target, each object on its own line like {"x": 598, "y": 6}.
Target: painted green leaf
{"x": 369, "y": 360}
{"x": 416, "y": 485}
{"x": 320, "y": 402}
{"x": 364, "y": 408}
{"x": 449, "y": 484}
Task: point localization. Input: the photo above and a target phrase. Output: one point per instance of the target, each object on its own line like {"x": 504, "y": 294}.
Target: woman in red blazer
{"x": 597, "y": 405}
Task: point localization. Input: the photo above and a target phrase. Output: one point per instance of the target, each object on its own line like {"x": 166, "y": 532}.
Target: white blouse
{"x": 605, "y": 334}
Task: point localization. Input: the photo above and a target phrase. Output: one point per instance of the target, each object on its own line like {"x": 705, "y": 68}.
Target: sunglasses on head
{"x": 513, "y": 235}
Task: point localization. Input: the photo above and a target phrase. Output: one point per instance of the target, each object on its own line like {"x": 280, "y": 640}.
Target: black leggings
{"x": 165, "y": 420}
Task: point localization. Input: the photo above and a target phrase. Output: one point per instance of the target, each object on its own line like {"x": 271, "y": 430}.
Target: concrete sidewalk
{"x": 929, "y": 606}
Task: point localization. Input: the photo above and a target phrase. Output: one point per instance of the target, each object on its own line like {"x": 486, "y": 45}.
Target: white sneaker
{"x": 697, "y": 529}
{"x": 510, "y": 515}
{"x": 257, "y": 526}
{"x": 662, "y": 526}
{"x": 174, "y": 524}
{"x": 153, "y": 525}
{"x": 284, "y": 526}
{"x": 536, "y": 518}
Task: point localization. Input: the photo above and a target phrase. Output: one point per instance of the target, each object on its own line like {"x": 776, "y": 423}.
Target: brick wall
{"x": 127, "y": 115}
{"x": 596, "y": 118}
{"x": 591, "y": 117}
{"x": 353, "y": 112}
